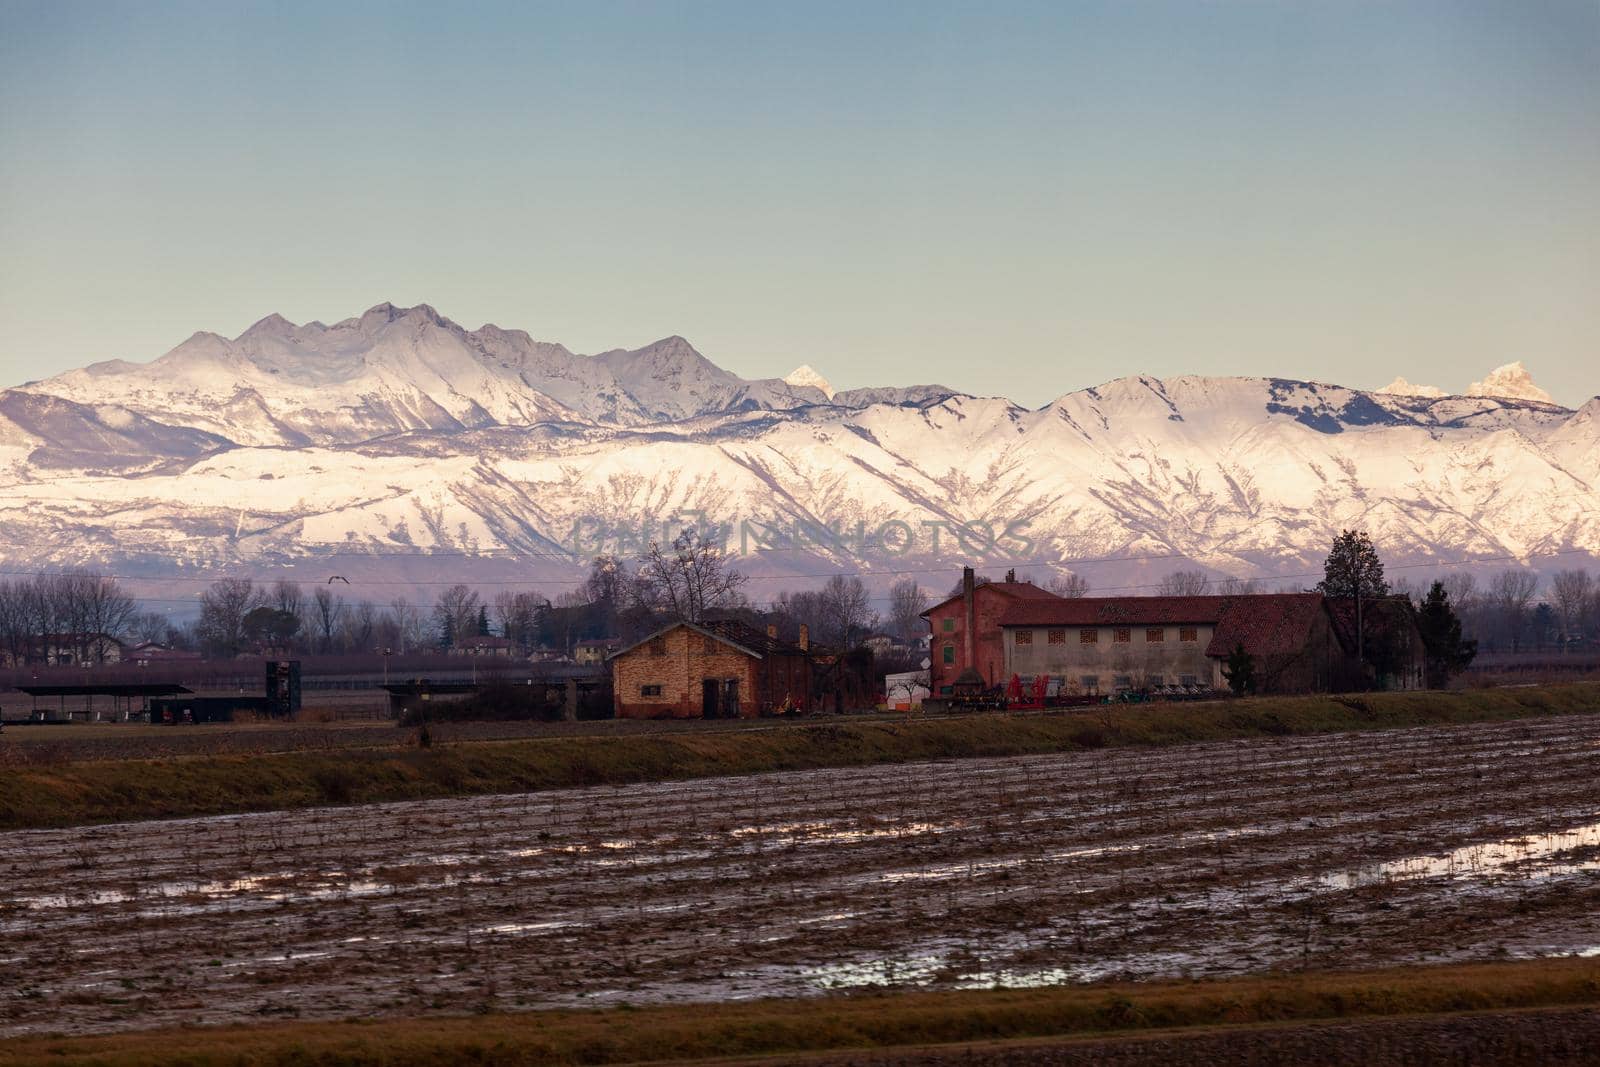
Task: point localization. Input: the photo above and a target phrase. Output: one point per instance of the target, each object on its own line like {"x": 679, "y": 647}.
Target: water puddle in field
{"x": 1526, "y": 857}
{"x": 828, "y": 833}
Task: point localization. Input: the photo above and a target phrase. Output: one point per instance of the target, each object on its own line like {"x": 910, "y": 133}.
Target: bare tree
{"x": 103, "y": 613}
{"x": 1070, "y": 586}
{"x": 1183, "y": 583}
{"x": 805, "y": 608}
{"x": 223, "y": 607}
{"x": 1572, "y": 591}
{"x": 288, "y": 596}
{"x": 150, "y": 627}
{"x": 411, "y": 631}
{"x": 690, "y": 578}
{"x": 518, "y": 615}
{"x": 1511, "y": 591}
{"x": 359, "y": 627}
{"x": 1231, "y": 586}
{"x": 16, "y": 623}
{"x": 1462, "y": 589}
{"x": 327, "y": 612}
{"x": 907, "y": 602}
{"x": 455, "y": 616}
{"x": 848, "y": 609}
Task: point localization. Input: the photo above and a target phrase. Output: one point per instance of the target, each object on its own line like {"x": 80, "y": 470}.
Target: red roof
{"x": 1016, "y": 590}
{"x": 1273, "y": 625}
{"x": 1267, "y": 623}
{"x": 1116, "y": 611}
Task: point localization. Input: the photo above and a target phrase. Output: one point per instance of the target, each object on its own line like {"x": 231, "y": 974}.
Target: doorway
{"x": 708, "y": 698}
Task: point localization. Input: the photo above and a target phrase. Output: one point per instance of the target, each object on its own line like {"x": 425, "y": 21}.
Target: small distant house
{"x": 883, "y": 644}
{"x": 482, "y": 646}
{"x": 711, "y": 670}
{"x": 594, "y": 650}
{"x": 148, "y": 653}
{"x": 71, "y": 650}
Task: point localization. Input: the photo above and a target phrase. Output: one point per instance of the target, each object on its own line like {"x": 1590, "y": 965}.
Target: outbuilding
{"x": 712, "y": 670}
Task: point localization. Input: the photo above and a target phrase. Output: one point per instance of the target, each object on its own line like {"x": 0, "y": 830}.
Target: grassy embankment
{"x": 72, "y": 793}
{"x": 794, "y": 1027}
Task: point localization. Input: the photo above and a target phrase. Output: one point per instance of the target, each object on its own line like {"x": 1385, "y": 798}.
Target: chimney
{"x": 772, "y": 631}
{"x": 969, "y": 602}
{"x": 805, "y": 638}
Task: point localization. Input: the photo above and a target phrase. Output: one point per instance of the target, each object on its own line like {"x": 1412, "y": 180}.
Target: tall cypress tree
{"x": 1240, "y": 671}
{"x": 1445, "y": 652}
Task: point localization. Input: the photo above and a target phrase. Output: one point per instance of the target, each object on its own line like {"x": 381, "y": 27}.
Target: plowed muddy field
{"x": 1350, "y": 850}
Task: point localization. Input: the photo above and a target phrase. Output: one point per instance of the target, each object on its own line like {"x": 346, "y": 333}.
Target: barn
{"x": 711, "y": 670}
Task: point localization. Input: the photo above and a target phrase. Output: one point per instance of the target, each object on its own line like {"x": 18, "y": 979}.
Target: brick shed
{"x": 710, "y": 670}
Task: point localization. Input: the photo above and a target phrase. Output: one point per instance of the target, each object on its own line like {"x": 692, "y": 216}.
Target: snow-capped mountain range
{"x": 399, "y": 444}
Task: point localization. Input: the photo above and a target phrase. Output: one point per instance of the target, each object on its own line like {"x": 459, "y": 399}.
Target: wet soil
{"x": 1338, "y": 851}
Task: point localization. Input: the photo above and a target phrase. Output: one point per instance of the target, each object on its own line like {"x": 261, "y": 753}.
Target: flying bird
{"x": 339, "y": 578}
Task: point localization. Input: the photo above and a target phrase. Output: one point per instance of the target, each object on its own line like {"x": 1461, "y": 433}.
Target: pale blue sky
{"x": 1008, "y": 198}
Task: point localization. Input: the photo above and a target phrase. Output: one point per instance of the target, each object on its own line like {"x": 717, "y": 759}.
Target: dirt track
{"x": 1349, "y": 850}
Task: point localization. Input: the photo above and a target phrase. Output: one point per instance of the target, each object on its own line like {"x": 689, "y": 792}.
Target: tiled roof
{"x": 1116, "y": 611}
{"x": 743, "y": 636}
{"x": 1015, "y": 590}
{"x": 749, "y": 637}
{"x": 1272, "y": 625}
{"x": 1378, "y": 617}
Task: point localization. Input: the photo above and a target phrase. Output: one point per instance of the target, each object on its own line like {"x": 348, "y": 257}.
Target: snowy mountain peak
{"x": 382, "y": 314}
{"x": 804, "y": 376}
{"x": 274, "y": 325}
{"x": 1401, "y": 387}
{"x": 400, "y": 434}
{"x": 1512, "y": 381}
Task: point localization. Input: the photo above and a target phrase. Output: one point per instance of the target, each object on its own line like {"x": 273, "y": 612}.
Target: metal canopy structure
{"x": 122, "y": 696}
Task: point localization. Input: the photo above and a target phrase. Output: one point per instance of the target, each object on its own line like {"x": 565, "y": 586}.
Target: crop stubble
{"x": 1349, "y": 850}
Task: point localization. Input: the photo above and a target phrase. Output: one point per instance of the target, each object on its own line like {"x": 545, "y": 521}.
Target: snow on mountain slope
{"x": 399, "y": 435}
{"x": 397, "y": 370}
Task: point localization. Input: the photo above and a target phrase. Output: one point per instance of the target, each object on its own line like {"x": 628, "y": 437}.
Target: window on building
{"x": 949, "y": 653}
{"x": 1188, "y": 633}
{"x": 1155, "y": 635}
{"x": 658, "y": 646}
{"x": 1024, "y": 637}
{"x": 1058, "y": 637}
{"x": 1090, "y": 682}
{"x": 948, "y": 625}
{"x": 1155, "y": 680}
{"x": 1088, "y": 637}
{"x": 1123, "y": 681}
{"x": 1187, "y": 679}
{"x": 1122, "y": 635}
{"x": 649, "y": 690}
